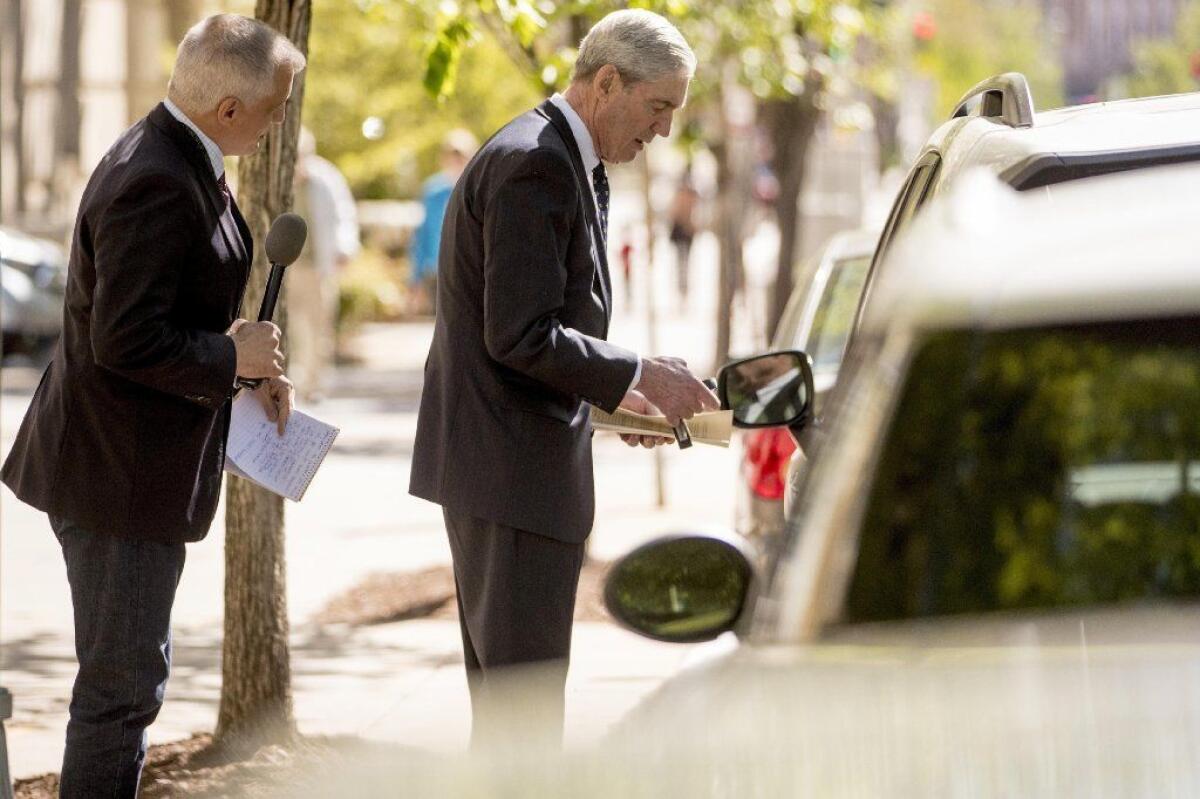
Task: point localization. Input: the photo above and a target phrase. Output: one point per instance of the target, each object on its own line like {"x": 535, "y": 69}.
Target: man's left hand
{"x": 277, "y": 396}
{"x": 634, "y": 401}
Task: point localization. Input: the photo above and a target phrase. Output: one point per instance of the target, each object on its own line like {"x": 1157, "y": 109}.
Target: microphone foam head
{"x": 286, "y": 238}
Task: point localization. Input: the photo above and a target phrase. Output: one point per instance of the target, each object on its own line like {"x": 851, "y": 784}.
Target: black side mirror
{"x": 681, "y": 588}
{"x": 768, "y": 390}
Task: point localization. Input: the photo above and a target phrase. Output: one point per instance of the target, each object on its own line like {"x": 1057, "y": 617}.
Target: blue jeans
{"x": 122, "y": 591}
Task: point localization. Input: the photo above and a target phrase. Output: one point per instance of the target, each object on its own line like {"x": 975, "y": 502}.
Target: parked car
{"x": 990, "y": 582}
{"x": 995, "y": 127}
{"x": 32, "y": 285}
{"x": 817, "y": 320}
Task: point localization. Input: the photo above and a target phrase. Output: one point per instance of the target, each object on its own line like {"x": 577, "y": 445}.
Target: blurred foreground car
{"x": 991, "y": 579}
{"x": 817, "y": 320}
{"x": 995, "y": 127}
{"x": 32, "y": 285}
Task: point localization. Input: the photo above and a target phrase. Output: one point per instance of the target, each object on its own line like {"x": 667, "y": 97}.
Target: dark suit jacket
{"x": 126, "y": 432}
{"x": 523, "y": 306}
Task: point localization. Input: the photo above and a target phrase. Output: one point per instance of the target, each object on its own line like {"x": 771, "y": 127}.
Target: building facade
{"x": 1097, "y": 37}
{"x": 73, "y": 75}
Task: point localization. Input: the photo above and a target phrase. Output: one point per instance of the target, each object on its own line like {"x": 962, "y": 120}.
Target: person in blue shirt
{"x": 457, "y": 148}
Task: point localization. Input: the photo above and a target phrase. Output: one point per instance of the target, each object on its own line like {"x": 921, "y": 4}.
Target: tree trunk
{"x": 729, "y": 249}
{"x": 66, "y": 142}
{"x": 256, "y": 700}
{"x": 733, "y": 154}
{"x": 660, "y": 487}
{"x": 16, "y": 28}
{"x": 791, "y": 124}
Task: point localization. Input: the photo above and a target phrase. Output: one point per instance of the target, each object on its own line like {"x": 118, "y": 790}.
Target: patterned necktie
{"x": 225, "y": 192}
{"x": 600, "y": 182}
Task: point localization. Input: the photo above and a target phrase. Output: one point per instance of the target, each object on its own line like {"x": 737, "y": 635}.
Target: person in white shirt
{"x": 323, "y": 198}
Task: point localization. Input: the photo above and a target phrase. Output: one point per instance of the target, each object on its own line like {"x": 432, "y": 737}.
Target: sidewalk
{"x": 400, "y": 682}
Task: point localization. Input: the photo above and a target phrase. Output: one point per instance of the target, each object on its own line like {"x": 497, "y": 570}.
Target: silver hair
{"x": 641, "y": 44}
{"x": 228, "y": 55}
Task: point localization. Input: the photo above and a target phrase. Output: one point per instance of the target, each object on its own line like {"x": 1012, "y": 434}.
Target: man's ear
{"x": 608, "y": 79}
{"x": 228, "y": 109}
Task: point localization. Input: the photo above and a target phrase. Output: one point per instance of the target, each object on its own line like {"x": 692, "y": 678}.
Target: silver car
{"x": 32, "y": 286}
{"x": 817, "y": 319}
{"x": 990, "y": 581}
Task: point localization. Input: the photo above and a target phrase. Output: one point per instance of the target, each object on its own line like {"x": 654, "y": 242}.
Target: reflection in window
{"x": 1038, "y": 468}
{"x": 835, "y": 314}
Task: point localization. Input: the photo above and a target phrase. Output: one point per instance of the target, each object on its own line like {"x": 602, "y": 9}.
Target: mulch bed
{"x": 192, "y": 767}
{"x": 196, "y": 769}
{"x": 429, "y": 594}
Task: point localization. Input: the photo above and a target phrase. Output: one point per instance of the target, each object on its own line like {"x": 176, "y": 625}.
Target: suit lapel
{"x": 193, "y": 150}
{"x": 583, "y": 183}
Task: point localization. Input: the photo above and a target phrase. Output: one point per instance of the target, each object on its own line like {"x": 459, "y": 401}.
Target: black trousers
{"x": 516, "y": 601}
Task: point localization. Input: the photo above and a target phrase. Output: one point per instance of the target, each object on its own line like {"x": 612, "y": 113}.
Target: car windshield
{"x": 834, "y": 316}
{"x": 1037, "y": 468}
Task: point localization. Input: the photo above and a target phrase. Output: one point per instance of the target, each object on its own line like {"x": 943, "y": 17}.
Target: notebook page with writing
{"x": 284, "y": 464}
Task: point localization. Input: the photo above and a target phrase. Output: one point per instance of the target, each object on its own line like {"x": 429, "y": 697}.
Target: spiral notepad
{"x": 284, "y": 464}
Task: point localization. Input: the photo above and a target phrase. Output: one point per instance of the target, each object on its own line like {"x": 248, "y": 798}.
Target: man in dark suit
{"x": 124, "y": 442}
{"x": 523, "y": 306}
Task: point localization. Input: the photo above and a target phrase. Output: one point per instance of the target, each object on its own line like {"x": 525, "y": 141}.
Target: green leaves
{"x": 441, "y": 61}
{"x": 521, "y": 18}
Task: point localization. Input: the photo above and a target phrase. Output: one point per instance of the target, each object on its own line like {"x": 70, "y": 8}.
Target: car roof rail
{"x": 1005, "y": 97}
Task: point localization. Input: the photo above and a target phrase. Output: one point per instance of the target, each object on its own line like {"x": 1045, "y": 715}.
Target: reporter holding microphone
{"x": 123, "y": 445}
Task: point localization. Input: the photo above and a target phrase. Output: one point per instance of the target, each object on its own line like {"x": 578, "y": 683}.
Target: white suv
{"x": 995, "y": 126}
{"x": 990, "y": 582}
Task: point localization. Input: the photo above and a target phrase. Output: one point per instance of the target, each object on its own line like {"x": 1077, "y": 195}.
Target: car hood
{"x": 1051, "y": 705}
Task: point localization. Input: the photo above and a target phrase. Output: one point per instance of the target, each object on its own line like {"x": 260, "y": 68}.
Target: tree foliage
{"x": 975, "y": 39}
{"x": 1164, "y": 66}
{"x": 368, "y": 58}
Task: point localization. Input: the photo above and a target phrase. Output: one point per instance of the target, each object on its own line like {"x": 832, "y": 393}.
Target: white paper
{"x": 709, "y": 427}
{"x": 284, "y": 464}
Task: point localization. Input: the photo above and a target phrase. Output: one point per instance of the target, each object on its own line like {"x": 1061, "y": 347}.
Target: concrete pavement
{"x": 399, "y": 682}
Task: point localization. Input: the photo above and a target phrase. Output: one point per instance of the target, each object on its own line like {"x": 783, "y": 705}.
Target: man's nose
{"x": 663, "y": 127}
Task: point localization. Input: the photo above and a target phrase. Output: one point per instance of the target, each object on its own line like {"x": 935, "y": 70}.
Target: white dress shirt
{"x": 587, "y": 153}
{"x": 214, "y": 152}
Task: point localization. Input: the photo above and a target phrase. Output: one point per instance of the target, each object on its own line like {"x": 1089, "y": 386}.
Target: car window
{"x": 834, "y": 318}
{"x": 911, "y": 198}
{"x": 1037, "y": 468}
{"x": 789, "y": 322}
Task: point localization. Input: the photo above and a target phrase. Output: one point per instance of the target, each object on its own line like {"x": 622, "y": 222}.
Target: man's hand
{"x": 674, "y": 390}
{"x": 634, "y": 401}
{"x": 257, "y": 345}
{"x": 277, "y": 396}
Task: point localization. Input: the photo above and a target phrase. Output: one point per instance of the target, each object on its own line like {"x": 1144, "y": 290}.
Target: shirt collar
{"x": 214, "y": 152}
{"x": 583, "y": 139}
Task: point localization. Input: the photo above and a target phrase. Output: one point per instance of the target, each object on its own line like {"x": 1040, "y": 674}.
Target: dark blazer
{"x": 523, "y": 305}
{"x": 126, "y": 432}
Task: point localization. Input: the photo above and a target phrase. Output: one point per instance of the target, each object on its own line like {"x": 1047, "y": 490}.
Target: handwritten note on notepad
{"x": 284, "y": 464}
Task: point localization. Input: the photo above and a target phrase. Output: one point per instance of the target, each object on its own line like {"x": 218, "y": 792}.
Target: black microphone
{"x": 285, "y": 240}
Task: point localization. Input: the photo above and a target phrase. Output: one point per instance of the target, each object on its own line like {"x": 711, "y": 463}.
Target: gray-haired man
{"x": 123, "y": 445}
{"x": 523, "y": 305}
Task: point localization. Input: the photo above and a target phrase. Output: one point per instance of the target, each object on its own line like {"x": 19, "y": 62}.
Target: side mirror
{"x": 769, "y": 390}
{"x": 680, "y": 589}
